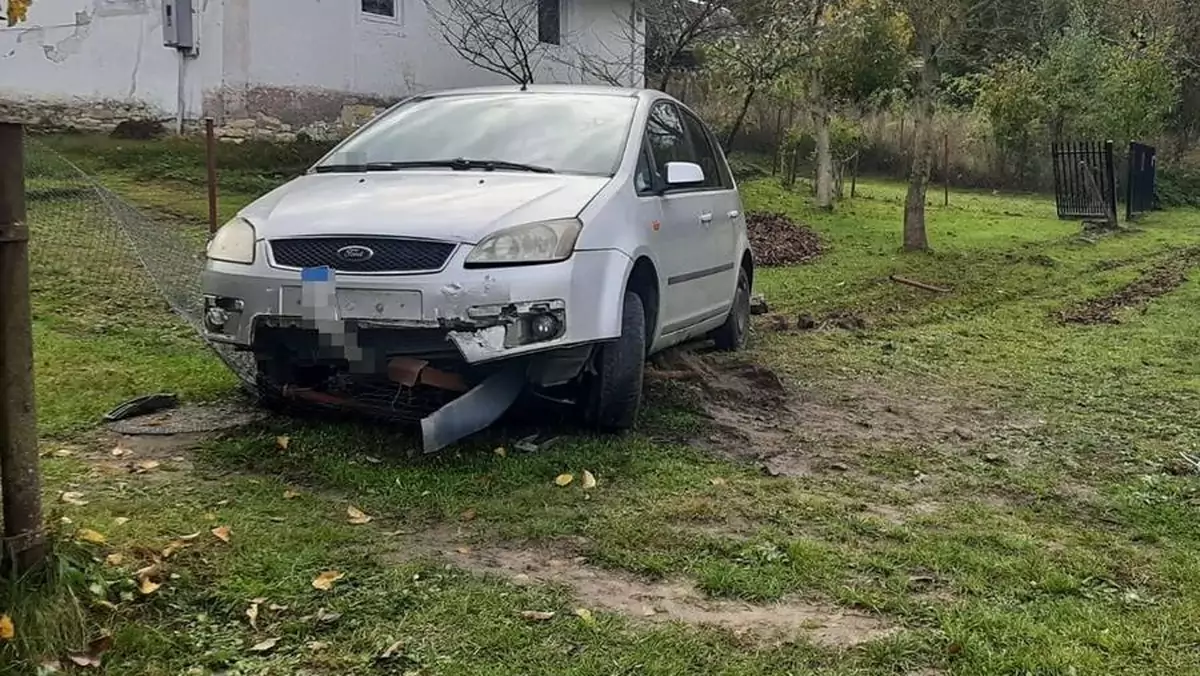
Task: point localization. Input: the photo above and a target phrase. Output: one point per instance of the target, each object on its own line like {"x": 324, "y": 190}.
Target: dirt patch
{"x": 777, "y": 240}
{"x": 807, "y": 431}
{"x": 1159, "y": 280}
{"x": 666, "y": 601}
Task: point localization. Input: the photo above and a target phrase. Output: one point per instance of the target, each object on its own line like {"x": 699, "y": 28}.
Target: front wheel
{"x": 731, "y": 336}
{"x": 613, "y": 394}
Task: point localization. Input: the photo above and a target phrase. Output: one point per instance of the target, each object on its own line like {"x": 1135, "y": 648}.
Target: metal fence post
{"x": 1110, "y": 181}
{"x": 20, "y": 482}
{"x": 210, "y": 152}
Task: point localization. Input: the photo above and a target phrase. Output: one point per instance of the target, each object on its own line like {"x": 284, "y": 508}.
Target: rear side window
{"x": 706, "y": 156}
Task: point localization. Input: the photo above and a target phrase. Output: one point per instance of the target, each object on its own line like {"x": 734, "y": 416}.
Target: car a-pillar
{"x": 612, "y": 388}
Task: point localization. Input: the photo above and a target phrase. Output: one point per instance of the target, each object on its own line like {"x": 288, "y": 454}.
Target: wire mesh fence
{"x": 100, "y": 265}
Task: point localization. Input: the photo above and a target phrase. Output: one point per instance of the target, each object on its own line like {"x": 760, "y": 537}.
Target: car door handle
{"x": 706, "y": 219}
{"x": 735, "y": 214}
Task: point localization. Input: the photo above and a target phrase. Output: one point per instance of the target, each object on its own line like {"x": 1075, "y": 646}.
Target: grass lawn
{"x": 965, "y": 486}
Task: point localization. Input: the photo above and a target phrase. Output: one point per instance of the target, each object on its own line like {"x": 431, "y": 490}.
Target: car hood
{"x": 460, "y": 206}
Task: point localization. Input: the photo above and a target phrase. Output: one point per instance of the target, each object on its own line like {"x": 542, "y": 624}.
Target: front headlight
{"x": 233, "y": 243}
{"x": 544, "y": 242}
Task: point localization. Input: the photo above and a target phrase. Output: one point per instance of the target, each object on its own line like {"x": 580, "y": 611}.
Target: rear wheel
{"x": 731, "y": 336}
{"x": 613, "y": 394}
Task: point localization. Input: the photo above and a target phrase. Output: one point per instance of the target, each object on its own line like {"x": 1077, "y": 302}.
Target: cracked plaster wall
{"x": 265, "y": 68}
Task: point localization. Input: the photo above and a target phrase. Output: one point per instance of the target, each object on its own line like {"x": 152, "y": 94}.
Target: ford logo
{"x": 355, "y": 253}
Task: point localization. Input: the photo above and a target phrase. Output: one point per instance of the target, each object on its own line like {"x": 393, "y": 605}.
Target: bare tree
{"x": 671, "y": 31}
{"x": 499, "y": 36}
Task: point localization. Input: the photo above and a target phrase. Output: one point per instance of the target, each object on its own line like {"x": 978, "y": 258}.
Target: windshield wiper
{"x": 458, "y": 164}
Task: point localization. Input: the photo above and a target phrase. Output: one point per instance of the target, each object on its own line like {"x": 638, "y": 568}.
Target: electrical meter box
{"x": 177, "y": 24}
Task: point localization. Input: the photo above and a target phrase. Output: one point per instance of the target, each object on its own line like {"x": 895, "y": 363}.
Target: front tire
{"x": 732, "y": 335}
{"x": 614, "y": 391}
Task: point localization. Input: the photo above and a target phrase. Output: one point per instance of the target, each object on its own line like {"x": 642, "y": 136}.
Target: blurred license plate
{"x": 365, "y": 304}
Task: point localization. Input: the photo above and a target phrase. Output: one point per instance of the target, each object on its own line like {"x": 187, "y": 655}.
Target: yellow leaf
{"x": 89, "y": 535}
{"x": 189, "y": 537}
{"x": 7, "y": 630}
{"x": 325, "y": 580}
{"x": 537, "y": 615}
{"x": 170, "y": 549}
{"x": 148, "y": 465}
{"x": 291, "y": 495}
{"x": 282, "y": 442}
{"x": 718, "y": 481}
{"x": 222, "y": 533}
{"x": 564, "y": 479}
{"x": 114, "y": 559}
{"x": 148, "y": 586}
{"x": 589, "y": 481}
{"x": 120, "y": 452}
{"x": 357, "y": 516}
{"x": 121, "y": 520}
{"x": 252, "y": 613}
{"x": 585, "y": 615}
{"x": 264, "y": 646}
{"x": 501, "y": 451}
{"x": 73, "y": 498}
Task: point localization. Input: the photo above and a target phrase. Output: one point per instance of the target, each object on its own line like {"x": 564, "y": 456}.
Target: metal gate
{"x": 1139, "y": 188}
{"x": 1085, "y": 184}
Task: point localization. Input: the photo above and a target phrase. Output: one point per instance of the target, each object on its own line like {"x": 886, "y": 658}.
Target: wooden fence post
{"x": 210, "y": 151}
{"x": 20, "y": 481}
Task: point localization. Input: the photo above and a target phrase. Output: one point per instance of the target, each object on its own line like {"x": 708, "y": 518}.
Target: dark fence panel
{"x": 1139, "y": 188}
{"x": 1077, "y": 168}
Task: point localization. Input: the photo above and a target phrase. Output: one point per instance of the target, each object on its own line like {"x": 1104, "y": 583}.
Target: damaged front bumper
{"x": 481, "y": 334}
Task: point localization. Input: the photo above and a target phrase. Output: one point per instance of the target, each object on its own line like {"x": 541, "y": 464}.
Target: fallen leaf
{"x": 585, "y": 615}
{"x": 589, "y": 481}
{"x": 147, "y": 586}
{"x": 290, "y": 495}
{"x": 170, "y": 549}
{"x": 50, "y": 666}
{"x": 282, "y": 442}
{"x": 276, "y": 608}
{"x": 73, "y": 498}
{"x": 264, "y": 646}
{"x": 189, "y": 538}
{"x": 222, "y": 503}
{"x": 718, "y": 481}
{"x": 537, "y": 615}
{"x": 372, "y": 459}
{"x": 252, "y": 613}
{"x": 392, "y": 650}
{"x": 326, "y": 617}
{"x": 463, "y": 550}
{"x": 95, "y": 650}
{"x": 148, "y": 465}
{"x": 89, "y": 535}
{"x": 357, "y": 516}
{"x": 66, "y": 521}
{"x": 222, "y": 533}
{"x": 63, "y": 453}
{"x": 114, "y": 559}
{"x": 121, "y": 520}
{"x": 120, "y": 452}
{"x": 501, "y": 451}
{"x": 7, "y": 630}
{"x": 469, "y": 515}
{"x": 325, "y": 580}
{"x": 564, "y": 480}
{"x": 317, "y": 646}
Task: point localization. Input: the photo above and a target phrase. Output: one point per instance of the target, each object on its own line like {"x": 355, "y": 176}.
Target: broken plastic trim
{"x": 473, "y": 411}
{"x": 151, "y": 403}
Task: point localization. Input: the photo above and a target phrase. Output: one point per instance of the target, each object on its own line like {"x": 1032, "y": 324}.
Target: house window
{"x": 385, "y": 8}
{"x": 550, "y": 21}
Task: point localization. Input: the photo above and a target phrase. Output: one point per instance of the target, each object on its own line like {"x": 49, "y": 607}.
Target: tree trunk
{"x": 820, "y": 113}
{"x": 915, "y": 238}
{"x": 741, "y": 118}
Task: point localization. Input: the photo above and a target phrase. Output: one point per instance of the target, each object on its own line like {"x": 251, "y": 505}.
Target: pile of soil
{"x": 1158, "y": 281}
{"x": 778, "y": 240}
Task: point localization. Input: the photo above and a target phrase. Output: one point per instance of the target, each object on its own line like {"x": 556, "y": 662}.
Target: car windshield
{"x": 562, "y": 133}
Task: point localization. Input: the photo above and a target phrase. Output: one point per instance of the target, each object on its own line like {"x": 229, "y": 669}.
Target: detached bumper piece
{"x": 473, "y": 411}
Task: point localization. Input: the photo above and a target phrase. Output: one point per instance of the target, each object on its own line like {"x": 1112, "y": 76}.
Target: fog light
{"x": 544, "y": 327}
{"x": 216, "y": 318}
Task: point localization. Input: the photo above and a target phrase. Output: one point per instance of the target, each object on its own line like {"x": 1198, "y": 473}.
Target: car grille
{"x": 388, "y": 254}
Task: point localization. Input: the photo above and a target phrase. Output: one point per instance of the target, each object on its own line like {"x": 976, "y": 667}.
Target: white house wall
{"x": 92, "y": 61}
{"x": 282, "y": 64}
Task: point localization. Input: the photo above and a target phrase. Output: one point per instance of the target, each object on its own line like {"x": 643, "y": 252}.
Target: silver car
{"x": 467, "y": 246}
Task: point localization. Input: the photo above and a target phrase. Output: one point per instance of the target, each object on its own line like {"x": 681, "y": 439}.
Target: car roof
{"x": 594, "y": 90}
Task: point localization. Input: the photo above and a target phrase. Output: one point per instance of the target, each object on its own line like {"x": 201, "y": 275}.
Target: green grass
{"x": 1063, "y": 547}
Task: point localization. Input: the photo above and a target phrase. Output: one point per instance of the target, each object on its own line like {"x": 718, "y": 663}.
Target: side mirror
{"x": 684, "y": 174}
